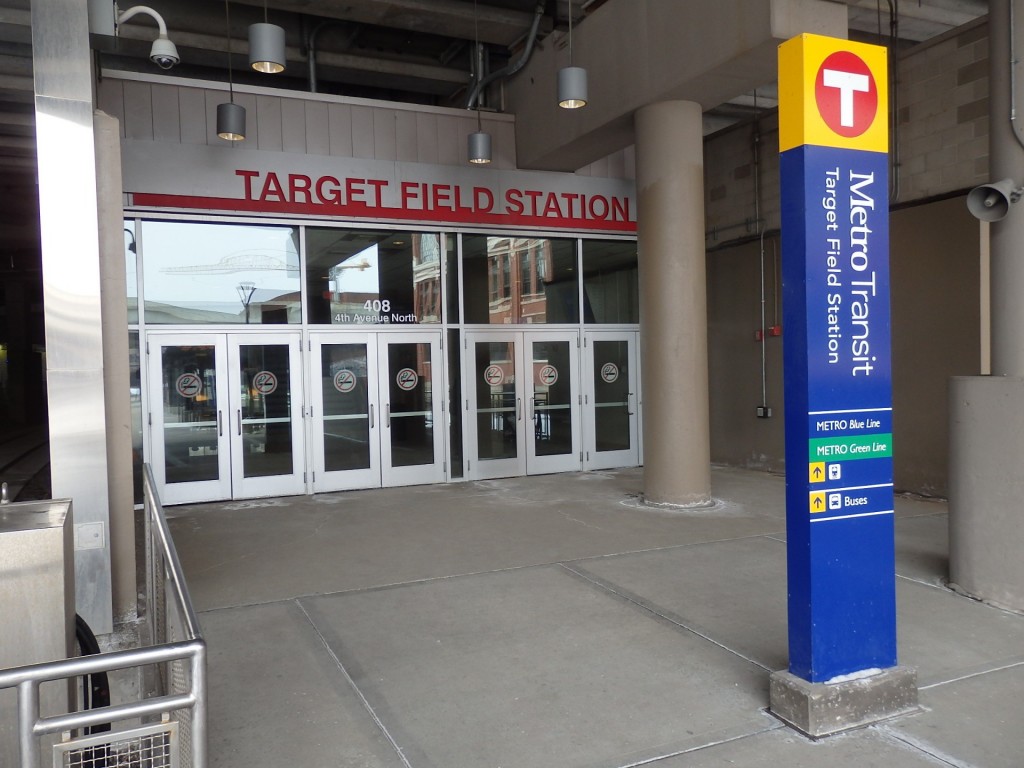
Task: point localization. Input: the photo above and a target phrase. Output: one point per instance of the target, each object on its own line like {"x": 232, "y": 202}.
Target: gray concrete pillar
{"x": 116, "y": 370}
{"x": 1006, "y": 160}
{"x": 986, "y": 434}
{"x": 673, "y": 303}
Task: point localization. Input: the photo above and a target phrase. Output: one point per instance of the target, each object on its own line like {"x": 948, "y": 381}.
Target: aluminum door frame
{"x": 201, "y": 490}
{"x": 572, "y": 461}
{"x": 345, "y": 479}
{"x": 271, "y": 485}
{"x": 416, "y": 474}
{"x": 230, "y": 483}
{"x": 485, "y": 469}
{"x": 592, "y": 458}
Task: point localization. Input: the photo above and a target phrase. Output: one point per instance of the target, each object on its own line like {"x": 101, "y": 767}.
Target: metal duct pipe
{"x": 515, "y": 66}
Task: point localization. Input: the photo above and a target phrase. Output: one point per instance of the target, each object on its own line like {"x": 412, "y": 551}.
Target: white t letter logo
{"x": 847, "y": 83}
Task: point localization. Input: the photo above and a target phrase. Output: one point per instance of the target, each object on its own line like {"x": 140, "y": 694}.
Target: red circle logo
{"x": 846, "y": 93}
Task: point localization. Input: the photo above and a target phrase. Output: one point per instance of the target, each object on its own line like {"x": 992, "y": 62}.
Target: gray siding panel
{"x": 339, "y": 118}
{"x": 166, "y": 114}
{"x": 362, "y": 133}
{"x": 318, "y": 135}
{"x": 138, "y": 111}
{"x": 269, "y": 123}
{"x": 194, "y": 124}
{"x": 293, "y": 126}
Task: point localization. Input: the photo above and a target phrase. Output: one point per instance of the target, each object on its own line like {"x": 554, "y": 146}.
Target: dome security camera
{"x": 164, "y": 53}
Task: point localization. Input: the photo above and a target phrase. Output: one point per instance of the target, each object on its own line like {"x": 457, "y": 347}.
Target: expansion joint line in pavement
{"x": 652, "y": 609}
{"x": 348, "y": 678}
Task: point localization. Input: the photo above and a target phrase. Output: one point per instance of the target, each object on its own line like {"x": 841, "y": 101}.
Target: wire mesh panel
{"x": 152, "y": 746}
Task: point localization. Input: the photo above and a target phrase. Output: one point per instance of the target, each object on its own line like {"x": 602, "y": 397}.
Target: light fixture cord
{"x": 227, "y": 24}
{"x": 476, "y": 60}
{"x": 570, "y": 33}
{"x": 265, "y": 16}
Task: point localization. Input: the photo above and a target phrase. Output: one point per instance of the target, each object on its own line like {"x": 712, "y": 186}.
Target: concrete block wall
{"x": 943, "y": 115}
{"x": 940, "y": 146}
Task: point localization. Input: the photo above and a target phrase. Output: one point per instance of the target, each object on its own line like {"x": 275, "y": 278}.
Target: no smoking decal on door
{"x": 344, "y": 381}
{"x": 609, "y": 373}
{"x": 407, "y": 379}
{"x": 265, "y": 382}
{"x": 547, "y": 375}
{"x": 188, "y": 385}
{"x": 493, "y": 375}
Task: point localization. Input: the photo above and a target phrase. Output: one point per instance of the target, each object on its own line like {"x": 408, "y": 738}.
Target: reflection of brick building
{"x": 426, "y": 278}
{"x": 517, "y": 271}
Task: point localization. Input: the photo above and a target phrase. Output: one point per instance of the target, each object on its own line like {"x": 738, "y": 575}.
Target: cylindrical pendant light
{"x": 231, "y": 121}
{"x": 266, "y": 48}
{"x": 572, "y": 87}
{"x": 230, "y": 116}
{"x": 480, "y": 148}
{"x": 572, "y": 80}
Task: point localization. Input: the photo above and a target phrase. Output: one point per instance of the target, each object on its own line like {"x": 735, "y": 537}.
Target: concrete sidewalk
{"x": 555, "y": 621}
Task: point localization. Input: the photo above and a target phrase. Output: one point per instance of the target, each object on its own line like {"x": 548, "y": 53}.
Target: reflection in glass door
{"x": 412, "y": 431}
{"x": 377, "y": 417}
{"x": 229, "y": 424}
{"x": 266, "y": 439}
{"x": 522, "y": 403}
{"x": 344, "y": 409}
{"x": 611, "y": 400}
{"x": 553, "y": 437}
{"x": 191, "y": 457}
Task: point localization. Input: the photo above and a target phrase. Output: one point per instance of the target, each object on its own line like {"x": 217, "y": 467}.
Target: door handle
{"x": 239, "y": 421}
{"x": 629, "y": 397}
{"x": 519, "y": 409}
{"x": 220, "y": 424}
{"x": 388, "y": 412}
{"x": 371, "y": 415}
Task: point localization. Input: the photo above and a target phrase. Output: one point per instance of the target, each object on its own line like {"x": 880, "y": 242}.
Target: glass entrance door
{"x": 226, "y": 417}
{"x": 411, "y": 401}
{"x": 377, "y": 410}
{"x": 346, "y": 437}
{"x": 522, "y": 396}
{"x": 611, "y": 400}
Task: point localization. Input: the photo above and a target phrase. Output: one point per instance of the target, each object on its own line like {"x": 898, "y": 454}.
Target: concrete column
{"x": 116, "y": 370}
{"x": 1006, "y": 160}
{"x": 69, "y": 234}
{"x": 986, "y": 435}
{"x": 673, "y": 303}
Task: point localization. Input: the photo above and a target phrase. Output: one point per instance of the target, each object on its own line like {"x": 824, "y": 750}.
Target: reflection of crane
{"x": 334, "y": 273}
{"x": 242, "y": 262}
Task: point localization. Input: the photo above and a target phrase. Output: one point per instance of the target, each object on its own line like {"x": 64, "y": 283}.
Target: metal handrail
{"x": 27, "y": 679}
{"x": 177, "y": 577}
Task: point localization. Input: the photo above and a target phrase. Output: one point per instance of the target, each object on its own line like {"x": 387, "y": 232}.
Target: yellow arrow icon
{"x": 817, "y": 502}
{"x": 816, "y": 472}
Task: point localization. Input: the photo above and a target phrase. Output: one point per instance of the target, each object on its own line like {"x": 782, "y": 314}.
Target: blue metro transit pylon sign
{"x": 833, "y": 140}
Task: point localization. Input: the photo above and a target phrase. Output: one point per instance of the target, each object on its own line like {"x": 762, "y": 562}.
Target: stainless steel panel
{"x": 318, "y": 135}
{"x": 69, "y": 228}
{"x": 69, "y": 233}
{"x": 340, "y": 125}
{"x": 61, "y": 63}
{"x": 78, "y": 469}
{"x": 293, "y": 126}
{"x": 267, "y": 118}
{"x": 36, "y": 602}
